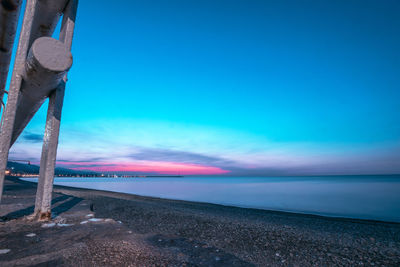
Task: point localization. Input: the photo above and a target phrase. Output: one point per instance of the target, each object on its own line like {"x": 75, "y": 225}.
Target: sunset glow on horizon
{"x": 152, "y": 167}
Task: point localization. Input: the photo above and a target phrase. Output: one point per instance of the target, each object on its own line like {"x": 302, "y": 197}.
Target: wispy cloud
{"x": 136, "y": 146}
{"x": 167, "y": 155}
{"x": 32, "y": 137}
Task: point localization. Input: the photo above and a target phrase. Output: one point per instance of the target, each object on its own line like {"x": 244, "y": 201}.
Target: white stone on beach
{"x": 4, "y": 251}
{"x": 90, "y": 215}
{"x": 48, "y": 225}
{"x": 83, "y": 222}
{"x": 96, "y": 220}
{"x": 64, "y": 224}
{"x": 119, "y": 222}
{"x": 31, "y": 235}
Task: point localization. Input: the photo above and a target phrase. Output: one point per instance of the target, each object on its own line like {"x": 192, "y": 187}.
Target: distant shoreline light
{"x": 165, "y": 168}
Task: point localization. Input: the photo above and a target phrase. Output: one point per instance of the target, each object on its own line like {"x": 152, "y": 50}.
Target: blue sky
{"x": 231, "y": 87}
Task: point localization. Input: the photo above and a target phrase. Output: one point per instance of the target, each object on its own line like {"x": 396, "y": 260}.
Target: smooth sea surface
{"x": 361, "y": 197}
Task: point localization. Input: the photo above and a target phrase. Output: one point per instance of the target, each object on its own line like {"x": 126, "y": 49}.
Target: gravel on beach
{"x": 98, "y": 228}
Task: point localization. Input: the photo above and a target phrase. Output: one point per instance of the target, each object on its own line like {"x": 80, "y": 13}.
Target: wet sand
{"x": 97, "y": 228}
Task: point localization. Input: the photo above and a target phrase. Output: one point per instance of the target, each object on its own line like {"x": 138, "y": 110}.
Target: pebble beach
{"x": 99, "y": 228}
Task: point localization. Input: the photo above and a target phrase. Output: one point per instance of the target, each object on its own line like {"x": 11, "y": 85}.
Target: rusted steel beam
{"x": 50, "y": 142}
{"x": 9, "y": 13}
{"x": 47, "y": 63}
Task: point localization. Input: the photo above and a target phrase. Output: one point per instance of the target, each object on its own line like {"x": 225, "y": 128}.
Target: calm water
{"x": 364, "y": 197}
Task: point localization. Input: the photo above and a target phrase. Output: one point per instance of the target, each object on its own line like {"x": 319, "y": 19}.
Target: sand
{"x": 98, "y": 228}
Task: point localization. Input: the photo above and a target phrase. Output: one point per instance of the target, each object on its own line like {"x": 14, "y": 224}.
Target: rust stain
{"x": 45, "y": 216}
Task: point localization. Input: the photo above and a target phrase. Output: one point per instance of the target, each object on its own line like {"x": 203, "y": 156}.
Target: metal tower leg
{"x": 16, "y": 80}
{"x": 49, "y": 153}
{"x": 50, "y": 142}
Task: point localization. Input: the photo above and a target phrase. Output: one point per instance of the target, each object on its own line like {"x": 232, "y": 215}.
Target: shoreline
{"x": 63, "y": 188}
{"x": 158, "y": 231}
{"x": 287, "y": 212}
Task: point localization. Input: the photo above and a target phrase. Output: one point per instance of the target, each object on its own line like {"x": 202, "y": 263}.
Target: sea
{"x": 373, "y": 197}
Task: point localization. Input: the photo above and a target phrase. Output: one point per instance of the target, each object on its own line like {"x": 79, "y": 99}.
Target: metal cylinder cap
{"x": 51, "y": 54}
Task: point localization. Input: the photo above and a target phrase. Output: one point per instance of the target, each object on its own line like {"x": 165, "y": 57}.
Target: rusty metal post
{"x": 9, "y": 13}
{"x": 16, "y": 80}
{"x": 50, "y": 142}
